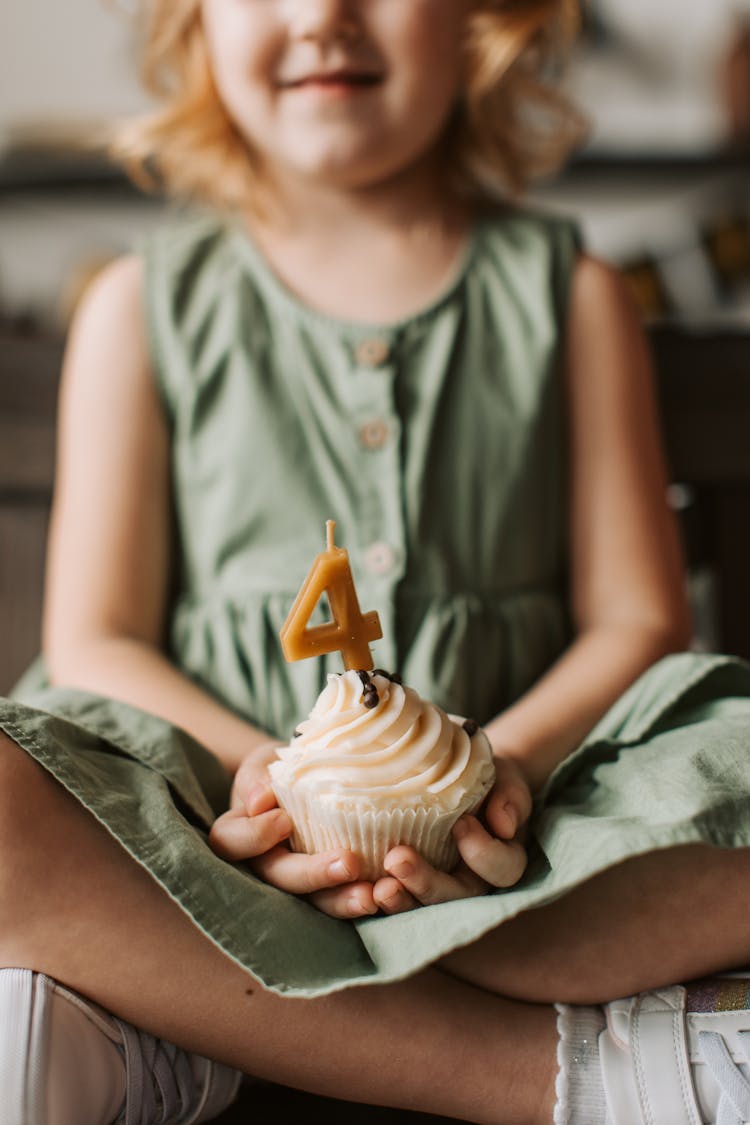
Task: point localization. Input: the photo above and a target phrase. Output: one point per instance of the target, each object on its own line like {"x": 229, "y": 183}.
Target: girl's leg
{"x": 657, "y": 919}
{"x": 74, "y": 905}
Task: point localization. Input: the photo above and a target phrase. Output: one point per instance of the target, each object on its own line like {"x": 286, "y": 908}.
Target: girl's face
{"x": 343, "y": 92}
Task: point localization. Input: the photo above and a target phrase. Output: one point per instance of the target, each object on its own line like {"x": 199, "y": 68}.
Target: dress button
{"x": 374, "y": 434}
{"x": 371, "y": 352}
{"x": 379, "y": 558}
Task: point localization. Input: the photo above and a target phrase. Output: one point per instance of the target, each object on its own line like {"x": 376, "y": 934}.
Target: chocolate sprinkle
{"x": 297, "y": 733}
{"x": 392, "y": 676}
{"x": 471, "y": 727}
{"x": 369, "y": 696}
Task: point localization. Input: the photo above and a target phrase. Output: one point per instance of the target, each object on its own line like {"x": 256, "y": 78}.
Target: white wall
{"x": 64, "y": 62}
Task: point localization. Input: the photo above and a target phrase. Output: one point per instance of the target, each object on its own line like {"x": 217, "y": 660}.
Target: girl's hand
{"x": 255, "y": 831}
{"x": 491, "y": 850}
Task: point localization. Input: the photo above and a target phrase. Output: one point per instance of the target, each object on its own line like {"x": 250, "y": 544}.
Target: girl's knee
{"x": 24, "y": 855}
{"x": 16, "y": 779}
{"x": 19, "y": 779}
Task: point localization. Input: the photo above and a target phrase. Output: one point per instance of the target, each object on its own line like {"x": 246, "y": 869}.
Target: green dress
{"x": 438, "y": 445}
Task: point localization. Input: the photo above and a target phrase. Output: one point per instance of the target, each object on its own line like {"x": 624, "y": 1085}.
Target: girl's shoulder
{"x": 183, "y": 242}
{"x": 111, "y": 304}
{"x": 189, "y": 273}
{"x": 530, "y": 254}
{"x": 528, "y": 230}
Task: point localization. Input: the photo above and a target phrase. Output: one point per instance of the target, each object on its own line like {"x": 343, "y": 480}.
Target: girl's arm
{"x": 627, "y": 584}
{"x": 109, "y": 548}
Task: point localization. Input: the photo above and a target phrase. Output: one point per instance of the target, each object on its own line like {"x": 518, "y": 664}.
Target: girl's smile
{"x": 342, "y": 92}
{"x": 333, "y": 85}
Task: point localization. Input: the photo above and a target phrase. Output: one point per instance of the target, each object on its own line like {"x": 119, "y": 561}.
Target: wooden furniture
{"x": 29, "y": 371}
{"x": 703, "y": 380}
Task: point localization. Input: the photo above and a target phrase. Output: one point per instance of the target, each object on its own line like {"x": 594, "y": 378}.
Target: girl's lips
{"x": 337, "y": 80}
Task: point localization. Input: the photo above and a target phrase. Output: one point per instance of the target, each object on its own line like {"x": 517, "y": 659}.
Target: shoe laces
{"x": 160, "y": 1086}
{"x": 734, "y": 1102}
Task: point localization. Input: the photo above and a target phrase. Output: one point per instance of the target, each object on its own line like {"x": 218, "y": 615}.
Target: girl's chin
{"x": 337, "y": 175}
{"x": 376, "y": 165}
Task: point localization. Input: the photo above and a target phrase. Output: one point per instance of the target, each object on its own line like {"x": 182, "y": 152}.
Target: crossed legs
{"x": 654, "y": 920}
{"x": 75, "y": 906}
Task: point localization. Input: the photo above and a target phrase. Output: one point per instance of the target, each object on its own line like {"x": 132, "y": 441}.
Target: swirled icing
{"x": 401, "y": 750}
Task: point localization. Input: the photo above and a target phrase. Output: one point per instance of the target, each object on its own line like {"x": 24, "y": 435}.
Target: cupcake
{"x": 374, "y": 766}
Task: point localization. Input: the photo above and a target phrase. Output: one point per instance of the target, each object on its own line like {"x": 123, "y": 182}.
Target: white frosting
{"x": 403, "y": 751}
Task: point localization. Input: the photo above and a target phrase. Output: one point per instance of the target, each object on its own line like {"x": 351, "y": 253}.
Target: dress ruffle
{"x": 470, "y": 654}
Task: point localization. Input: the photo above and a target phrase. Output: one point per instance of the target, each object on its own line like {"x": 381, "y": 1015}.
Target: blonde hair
{"x": 512, "y": 125}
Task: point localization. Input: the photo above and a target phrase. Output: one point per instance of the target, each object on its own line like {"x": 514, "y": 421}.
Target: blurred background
{"x": 660, "y": 189}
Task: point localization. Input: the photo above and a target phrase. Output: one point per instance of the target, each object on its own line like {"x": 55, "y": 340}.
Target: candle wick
{"x": 330, "y": 528}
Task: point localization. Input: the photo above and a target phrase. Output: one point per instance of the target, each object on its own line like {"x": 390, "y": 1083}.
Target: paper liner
{"x": 371, "y": 833}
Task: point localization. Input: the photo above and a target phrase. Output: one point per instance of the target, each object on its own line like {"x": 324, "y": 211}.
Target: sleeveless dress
{"x": 438, "y": 445}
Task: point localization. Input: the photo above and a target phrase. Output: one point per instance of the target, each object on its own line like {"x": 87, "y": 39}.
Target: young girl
{"x": 363, "y": 327}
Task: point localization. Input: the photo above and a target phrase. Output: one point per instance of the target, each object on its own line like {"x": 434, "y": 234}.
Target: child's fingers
{"x": 502, "y": 819}
{"x": 501, "y": 863}
{"x": 301, "y": 874}
{"x": 509, "y": 805}
{"x": 392, "y": 897}
{"x": 251, "y": 792}
{"x": 258, "y": 798}
{"x": 354, "y": 901}
{"x": 425, "y": 883}
{"x": 236, "y": 836}
{"x": 505, "y": 816}
{"x": 252, "y": 774}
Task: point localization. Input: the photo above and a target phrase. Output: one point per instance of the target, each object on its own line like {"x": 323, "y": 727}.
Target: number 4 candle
{"x": 350, "y": 632}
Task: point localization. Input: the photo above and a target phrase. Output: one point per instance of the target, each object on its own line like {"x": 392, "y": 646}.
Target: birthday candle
{"x": 350, "y": 631}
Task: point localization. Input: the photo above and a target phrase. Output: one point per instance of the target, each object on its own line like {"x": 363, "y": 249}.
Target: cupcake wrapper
{"x": 372, "y": 833}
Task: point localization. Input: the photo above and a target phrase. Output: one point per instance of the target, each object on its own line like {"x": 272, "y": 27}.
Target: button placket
{"x": 374, "y": 434}
{"x": 379, "y": 558}
{"x": 372, "y": 351}
{"x": 377, "y": 427}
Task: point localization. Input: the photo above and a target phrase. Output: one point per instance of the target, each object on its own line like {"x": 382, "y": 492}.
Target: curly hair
{"x": 511, "y": 126}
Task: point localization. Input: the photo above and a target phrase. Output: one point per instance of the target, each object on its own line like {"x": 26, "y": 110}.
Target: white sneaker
{"x": 679, "y": 1056}
{"x": 66, "y": 1061}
